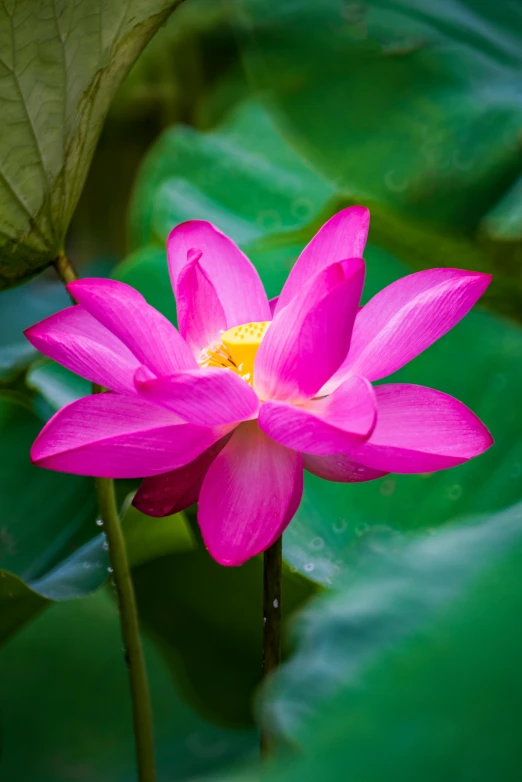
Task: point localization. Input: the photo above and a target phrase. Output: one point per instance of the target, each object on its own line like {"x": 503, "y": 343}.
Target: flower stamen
{"x": 236, "y": 350}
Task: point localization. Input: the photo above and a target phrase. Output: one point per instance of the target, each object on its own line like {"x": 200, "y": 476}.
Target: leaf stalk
{"x": 121, "y": 576}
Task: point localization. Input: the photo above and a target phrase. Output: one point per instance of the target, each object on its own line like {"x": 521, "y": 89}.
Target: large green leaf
{"x": 413, "y": 103}
{"x": 183, "y": 178}
{"x": 65, "y": 696}
{"x": 270, "y": 200}
{"x": 480, "y": 361}
{"x": 417, "y": 659}
{"x": 60, "y": 65}
{"x": 411, "y": 107}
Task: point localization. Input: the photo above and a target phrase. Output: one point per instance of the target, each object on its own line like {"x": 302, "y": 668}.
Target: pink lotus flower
{"x": 230, "y": 409}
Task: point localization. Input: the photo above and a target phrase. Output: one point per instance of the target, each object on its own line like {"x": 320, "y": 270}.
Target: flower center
{"x": 236, "y": 350}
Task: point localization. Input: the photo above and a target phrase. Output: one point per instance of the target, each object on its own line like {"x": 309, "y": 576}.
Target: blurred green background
{"x": 402, "y": 597}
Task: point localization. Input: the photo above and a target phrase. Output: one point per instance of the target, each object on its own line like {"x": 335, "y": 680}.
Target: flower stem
{"x": 272, "y": 573}
{"x": 141, "y": 706}
{"x": 142, "y": 712}
{"x": 66, "y": 271}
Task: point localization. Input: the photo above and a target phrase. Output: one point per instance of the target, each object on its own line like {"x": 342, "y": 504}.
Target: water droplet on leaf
{"x": 339, "y": 526}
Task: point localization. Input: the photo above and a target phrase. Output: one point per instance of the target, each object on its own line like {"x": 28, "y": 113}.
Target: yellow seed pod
{"x": 242, "y": 343}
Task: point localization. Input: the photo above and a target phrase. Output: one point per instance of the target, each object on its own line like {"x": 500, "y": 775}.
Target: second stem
{"x": 272, "y": 574}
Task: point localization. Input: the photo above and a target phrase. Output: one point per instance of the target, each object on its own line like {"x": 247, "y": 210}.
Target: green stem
{"x": 142, "y": 712}
{"x": 272, "y": 574}
{"x": 121, "y": 575}
{"x": 66, "y": 271}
